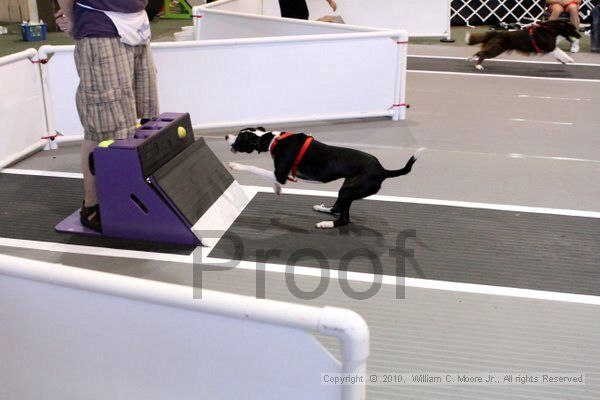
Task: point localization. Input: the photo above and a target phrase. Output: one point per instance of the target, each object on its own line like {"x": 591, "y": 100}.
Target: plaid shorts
{"x": 117, "y": 83}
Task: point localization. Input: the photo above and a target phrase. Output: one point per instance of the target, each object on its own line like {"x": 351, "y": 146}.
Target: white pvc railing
{"x": 422, "y": 18}
{"x": 75, "y": 333}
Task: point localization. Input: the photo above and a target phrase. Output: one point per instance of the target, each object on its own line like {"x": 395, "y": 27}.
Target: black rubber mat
{"x": 505, "y": 68}
{"x": 500, "y": 248}
{"x": 30, "y": 207}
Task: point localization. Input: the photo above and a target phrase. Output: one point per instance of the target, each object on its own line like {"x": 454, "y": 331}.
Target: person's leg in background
{"x": 294, "y": 9}
{"x": 555, "y": 11}
{"x": 573, "y": 10}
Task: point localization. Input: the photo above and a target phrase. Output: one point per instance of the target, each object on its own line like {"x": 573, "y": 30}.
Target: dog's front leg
{"x": 259, "y": 172}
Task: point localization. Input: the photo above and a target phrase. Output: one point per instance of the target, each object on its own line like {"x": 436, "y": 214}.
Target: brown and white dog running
{"x": 537, "y": 39}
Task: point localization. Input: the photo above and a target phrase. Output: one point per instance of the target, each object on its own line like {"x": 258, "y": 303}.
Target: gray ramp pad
{"x": 498, "y": 67}
{"x": 194, "y": 180}
{"x": 499, "y": 248}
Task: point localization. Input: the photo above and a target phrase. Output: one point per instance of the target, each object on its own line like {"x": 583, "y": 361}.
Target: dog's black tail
{"x": 479, "y": 37}
{"x": 407, "y": 168}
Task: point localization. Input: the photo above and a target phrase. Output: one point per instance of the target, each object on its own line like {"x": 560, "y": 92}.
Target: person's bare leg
{"x": 573, "y": 14}
{"x": 573, "y": 11}
{"x": 89, "y": 180}
{"x": 556, "y": 10}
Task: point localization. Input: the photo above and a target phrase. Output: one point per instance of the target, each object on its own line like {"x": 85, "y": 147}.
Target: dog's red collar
{"x": 531, "y": 31}
{"x": 300, "y": 155}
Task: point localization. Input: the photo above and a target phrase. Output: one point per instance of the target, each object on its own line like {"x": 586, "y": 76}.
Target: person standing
{"x": 298, "y": 8}
{"x": 117, "y": 78}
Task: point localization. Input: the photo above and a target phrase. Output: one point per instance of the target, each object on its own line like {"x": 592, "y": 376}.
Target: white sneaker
{"x": 575, "y": 46}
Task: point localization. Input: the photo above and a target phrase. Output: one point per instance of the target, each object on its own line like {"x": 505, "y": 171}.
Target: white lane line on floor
{"x": 536, "y": 121}
{"x": 410, "y": 282}
{"x": 408, "y": 149}
{"x": 200, "y": 257}
{"x": 529, "y": 96}
{"x": 94, "y": 251}
{"x": 501, "y": 60}
{"x": 418, "y": 71}
{"x": 517, "y": 155}
{"x": 449, "y": 203}
{"x": 37, "y": 172}
{"x": 397, "y": 199}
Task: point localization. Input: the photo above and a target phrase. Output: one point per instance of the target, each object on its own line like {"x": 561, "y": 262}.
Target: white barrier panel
{"x": 70, "y": 333}
{"x": 263, "y": 81}
{"x": 21, "y": 107}
{"x": 60, "y": 84}
{"x": 270, "y": 81}
{"x": 421, "y": 18}
{"x": 228, "y": 25}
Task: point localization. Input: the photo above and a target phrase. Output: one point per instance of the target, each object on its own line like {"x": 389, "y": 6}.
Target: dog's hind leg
{"x": 353, "y": 189}
{"x": 327, "y": 210}
{"x": 343, "y": 219}
{"x": 490, "y": 50}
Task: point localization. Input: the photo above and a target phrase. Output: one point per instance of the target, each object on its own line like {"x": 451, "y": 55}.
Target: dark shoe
{"x": 90, "y": 217}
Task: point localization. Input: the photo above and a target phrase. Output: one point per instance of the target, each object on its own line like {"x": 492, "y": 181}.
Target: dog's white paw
{"x": 277, "y": 188}
{"x": 325, "y": 225}
{"x": 472, "y": 58}
{"x": 479, "y": 67}
{"x": 322, "y": 208}
{"x": 234, "y": 166}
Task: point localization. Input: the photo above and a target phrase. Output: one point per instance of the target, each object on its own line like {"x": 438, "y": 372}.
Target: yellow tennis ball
{"x": 181, "y": 132}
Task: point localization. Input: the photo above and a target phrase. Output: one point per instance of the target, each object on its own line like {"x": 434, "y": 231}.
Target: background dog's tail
{"x": 478, "y": 37}
{"x": 407, "y": 167}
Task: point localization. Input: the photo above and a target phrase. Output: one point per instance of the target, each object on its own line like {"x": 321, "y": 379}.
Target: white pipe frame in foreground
{"x": 346, "y": 325}
{"x": 29, "y": 54}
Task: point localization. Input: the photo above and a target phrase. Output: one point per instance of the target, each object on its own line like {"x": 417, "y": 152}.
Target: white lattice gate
{"x": 477, "y": 12}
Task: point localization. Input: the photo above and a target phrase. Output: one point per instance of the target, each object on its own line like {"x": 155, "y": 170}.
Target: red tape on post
{"x": 51, "y": 137}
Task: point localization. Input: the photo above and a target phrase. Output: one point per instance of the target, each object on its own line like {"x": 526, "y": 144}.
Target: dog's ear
{"x": 260, "y": 128}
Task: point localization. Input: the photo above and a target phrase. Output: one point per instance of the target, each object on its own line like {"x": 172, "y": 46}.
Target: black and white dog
{"x": 298, "y": 156}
